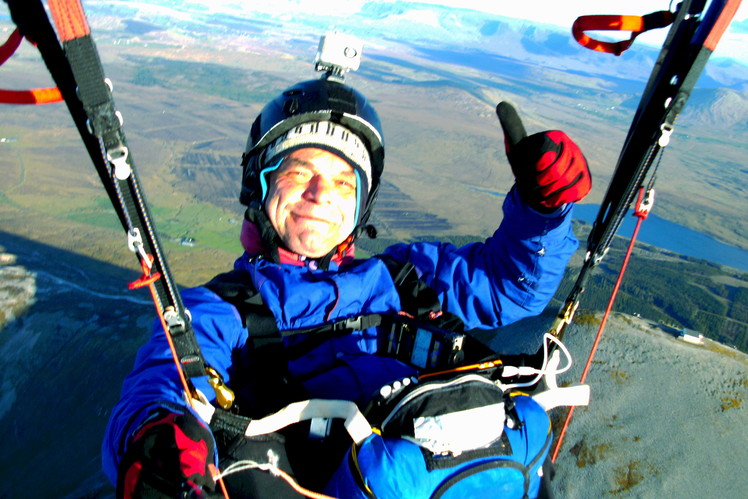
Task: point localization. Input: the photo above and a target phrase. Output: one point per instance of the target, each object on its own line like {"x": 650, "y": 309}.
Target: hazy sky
{"x": 563, "y": 13}
{"x": 558, "y": 12}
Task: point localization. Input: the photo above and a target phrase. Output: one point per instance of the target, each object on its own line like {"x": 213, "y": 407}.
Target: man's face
{"x": 311, "y": 201}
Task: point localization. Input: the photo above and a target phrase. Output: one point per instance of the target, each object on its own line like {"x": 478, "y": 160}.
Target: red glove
{"x": 549, "y": 168}
{"x": 169, "y": 456}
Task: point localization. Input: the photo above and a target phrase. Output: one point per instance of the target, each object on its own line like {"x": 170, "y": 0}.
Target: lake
{"x": 673, "y": 237}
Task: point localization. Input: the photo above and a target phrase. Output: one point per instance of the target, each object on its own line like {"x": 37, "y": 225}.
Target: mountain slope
{"x": 406, "y": 23}
{"x": 662, "y": 410}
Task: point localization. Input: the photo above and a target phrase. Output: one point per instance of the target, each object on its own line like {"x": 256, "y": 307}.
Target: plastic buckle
{"x": 135, "y": 243}
{"x": 172, "y": 319}
{"x": 599, "y": 258}
{"x": 646, "y": 204}
{"x": 353, "y": 323}
{"x": 667, "y": 131}
{"x": 118, "y": 158}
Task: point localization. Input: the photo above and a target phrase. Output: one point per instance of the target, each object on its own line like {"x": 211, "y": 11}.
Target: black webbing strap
{"x": 419, "y": 303}
{"x": 237, "y": 288}
{"x": 78, "y": 73}
{"x": 105, "y": 123}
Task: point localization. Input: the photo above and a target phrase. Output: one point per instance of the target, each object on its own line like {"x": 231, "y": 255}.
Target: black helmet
{"x": 317, "y": 113}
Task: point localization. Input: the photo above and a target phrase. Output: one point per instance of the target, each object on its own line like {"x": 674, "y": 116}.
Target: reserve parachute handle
{"x": 33, "y": 96}
{"x": 635, "y": 24}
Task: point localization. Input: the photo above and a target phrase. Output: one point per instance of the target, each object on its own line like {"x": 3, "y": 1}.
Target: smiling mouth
{"x": 309, "y": 218}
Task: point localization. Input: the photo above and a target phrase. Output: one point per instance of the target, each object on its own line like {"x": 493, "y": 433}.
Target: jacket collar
{"x": 252, "y": 243}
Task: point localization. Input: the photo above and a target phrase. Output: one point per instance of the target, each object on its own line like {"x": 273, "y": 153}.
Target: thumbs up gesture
{"x": 549, "y": 168}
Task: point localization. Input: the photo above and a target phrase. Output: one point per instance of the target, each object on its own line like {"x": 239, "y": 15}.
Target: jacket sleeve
{"x": 510, "y": 276}
{"x": 154, "y": 381}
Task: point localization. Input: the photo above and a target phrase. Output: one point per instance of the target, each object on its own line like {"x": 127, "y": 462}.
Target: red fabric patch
{"x": 131, "y": 480}
{"x": 193, "y": 455}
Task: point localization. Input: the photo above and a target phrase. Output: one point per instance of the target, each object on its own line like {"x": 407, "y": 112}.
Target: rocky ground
{"x": 17, "y": 288}
{"x": 667, "y": 418}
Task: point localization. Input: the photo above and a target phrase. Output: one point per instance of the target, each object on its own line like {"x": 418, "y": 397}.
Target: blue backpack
{"x": 449, "y": 439}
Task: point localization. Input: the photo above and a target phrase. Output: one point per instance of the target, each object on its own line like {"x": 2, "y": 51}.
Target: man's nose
{"x": 319, "y": 189}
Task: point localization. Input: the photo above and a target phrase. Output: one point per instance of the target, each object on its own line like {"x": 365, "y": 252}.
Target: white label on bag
{"x": 460, "y": 431}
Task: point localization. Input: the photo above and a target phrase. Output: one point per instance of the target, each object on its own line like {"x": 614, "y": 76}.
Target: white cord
{"x": 511, "y": 371}
{"x": 272, "y": 467}
{"x": 247, "y": 464}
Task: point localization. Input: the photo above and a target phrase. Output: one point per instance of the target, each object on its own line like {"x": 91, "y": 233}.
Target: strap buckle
{"x": 645, "y": 203}
{"x": 135, "y": 243}
{"x": 354, "y": 323}
{"x": 117, "y": 157}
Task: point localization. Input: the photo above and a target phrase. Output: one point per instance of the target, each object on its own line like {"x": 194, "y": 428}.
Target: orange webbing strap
{"x": 32, "y": 96}
{"x": 69, "y": 18}
{"x": 721, "y": 24}
{"x": 636, "y": 24}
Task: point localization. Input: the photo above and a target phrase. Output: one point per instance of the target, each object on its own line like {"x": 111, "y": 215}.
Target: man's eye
{"x": 346, "y": 184}
{"x": 298, "y": 173}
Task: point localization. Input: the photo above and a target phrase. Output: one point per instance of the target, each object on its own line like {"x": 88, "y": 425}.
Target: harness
{"x": 275, "y": 424}
{"x": 273, "y": 412}
{"x": 422, "y": 334}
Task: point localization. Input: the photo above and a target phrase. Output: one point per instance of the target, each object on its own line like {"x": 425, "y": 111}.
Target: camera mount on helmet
{"x": 337, "y": 54}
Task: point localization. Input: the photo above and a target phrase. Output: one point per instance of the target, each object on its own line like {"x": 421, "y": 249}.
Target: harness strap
{"x": 79, "y": 75}
{"x": 417, "y": 299}
{"x": 114, "y": 160}
{"x": 419, "y": 303}
{"x": 354, "y": 421}
{"x": 636, "y": 24}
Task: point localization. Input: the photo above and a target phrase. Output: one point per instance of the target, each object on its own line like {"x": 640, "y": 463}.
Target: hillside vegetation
{"x": 671, "y": 289}
{"x": 658, "y": 285}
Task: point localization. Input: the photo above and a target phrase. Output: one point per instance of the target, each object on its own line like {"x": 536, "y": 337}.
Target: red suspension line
{"x": 643, "y": 208}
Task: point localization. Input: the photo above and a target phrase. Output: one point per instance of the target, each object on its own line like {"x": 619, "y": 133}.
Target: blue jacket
{"x": 512, "y": 275}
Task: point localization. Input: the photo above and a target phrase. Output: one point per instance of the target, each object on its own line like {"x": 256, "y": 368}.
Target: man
{"x": 312, "y": 172}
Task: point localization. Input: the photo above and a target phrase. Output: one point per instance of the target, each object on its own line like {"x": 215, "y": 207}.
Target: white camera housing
{"x": 338, "y": 53}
